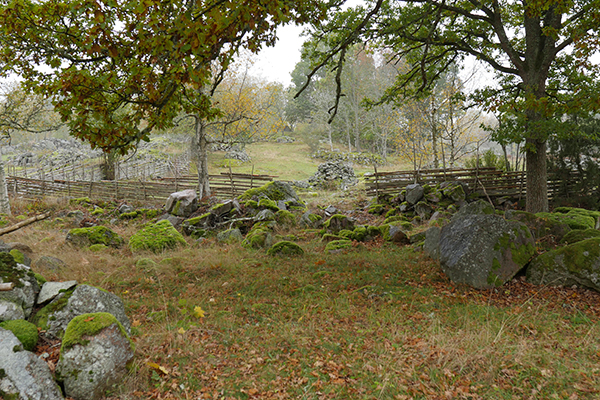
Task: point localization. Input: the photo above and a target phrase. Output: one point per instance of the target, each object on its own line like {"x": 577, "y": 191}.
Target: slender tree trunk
{"x": 4, "y": 202}
{"x": 537, "y": 176}
{"x": 200, "y": 152}
{"x": 109, "y": 165}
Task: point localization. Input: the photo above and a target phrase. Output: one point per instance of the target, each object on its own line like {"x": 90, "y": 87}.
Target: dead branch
{"x": 21, "y": 224}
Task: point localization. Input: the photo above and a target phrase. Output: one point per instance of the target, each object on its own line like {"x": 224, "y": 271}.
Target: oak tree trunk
{"x": 200, "y": 145}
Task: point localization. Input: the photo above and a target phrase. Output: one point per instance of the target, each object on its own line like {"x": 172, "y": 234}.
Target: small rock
{"x": 51, "y": 289}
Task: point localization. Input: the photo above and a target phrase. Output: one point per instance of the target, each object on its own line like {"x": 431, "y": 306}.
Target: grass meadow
{"x": 378, "y": 321}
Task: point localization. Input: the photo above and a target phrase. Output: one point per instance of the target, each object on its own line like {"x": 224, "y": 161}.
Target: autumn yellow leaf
{"x": 157, "y": 367}
{"x": 181, "y": 330}
{"x": 199, "y": 312}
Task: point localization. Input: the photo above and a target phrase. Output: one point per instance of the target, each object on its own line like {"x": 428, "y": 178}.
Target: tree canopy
{"x": 118, "y": 69}
{"x": 542, "y": 52}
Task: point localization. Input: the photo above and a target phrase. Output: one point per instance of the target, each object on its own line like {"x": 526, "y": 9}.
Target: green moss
{"x": 328, "y": 237}
{"x": 575, "y": 257}
{"x": 376, "y": 209}
{"x": 156, "y": 238}
{"x": 40, "y": 279}
{"x": 577, "y": 235}
{"x": 338, "y": 222}
{"x": 89, "y": 325}
{"x": 493, "y": 279}
{"x": 573, "y": 220}
{"x": 95, "y": 235}
{"x": 395, "y": 218}
{"x": 286, "y": 248}
{"x": 145, "y": 263}
{"x": 251, "y": 204}
{"x": 257, "y": 238}
{"x": 130, "y": 215}
{"x": 18, "y": 256}
{"x": 271, "y": 191}
{"x": 197, "y": 220}
{"x": 374, "y": 231}
{"x": 392, "y": 212}
{"x": 150, "y": 212}
{"x": 98, "y": 211}
{"x": 359, "y": 233}
{"x": 580, "y": 211}
{"x": 268, "y": 204}
{"x": 285, "y": 217}
{"x": 337, "y": 245}
{"x": 26, "y": 332}
{"x": 346, "y": 234}
{"x": 97, "y": 247}
{"x": 81, "y": 200}
{"x": 520, "y": 254}
{"x": 8, "y": 270}
{"x": 41, "y": 317}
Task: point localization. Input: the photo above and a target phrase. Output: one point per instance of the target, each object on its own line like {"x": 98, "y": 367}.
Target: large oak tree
{"x": 119, "y": 69}
{"x": 542, "y": 51}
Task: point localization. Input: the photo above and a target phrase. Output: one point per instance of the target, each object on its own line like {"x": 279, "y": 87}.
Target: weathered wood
{"x": 21, "y": 224}
{"x": 5, "y": 287}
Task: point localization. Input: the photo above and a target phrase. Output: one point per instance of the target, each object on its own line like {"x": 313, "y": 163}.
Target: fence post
{"x": 231, "y": 181}
{"x": 376, "y": 183}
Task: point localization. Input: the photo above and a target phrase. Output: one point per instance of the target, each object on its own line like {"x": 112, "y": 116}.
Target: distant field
{"x": 288, "y": 161}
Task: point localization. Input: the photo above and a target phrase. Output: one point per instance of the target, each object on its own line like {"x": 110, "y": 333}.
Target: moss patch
{"x": 18, "y": 256}
{"x": 41, "y": 317}
{"x": 8, "y": 270}
{"x": 88, "y": 325}
{"x": 26, "y": 332}
{"x": 577, "y": 235}
{"x": 156, "y": 238}
{"x": 574, "y": 220}
{"x": 337, "y": 245}
{"x": 94, "y": 235}
{"x": 286, "y": 248}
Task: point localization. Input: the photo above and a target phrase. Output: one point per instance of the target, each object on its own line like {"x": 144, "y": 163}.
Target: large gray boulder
{"x": 93, "y": 356}
{"x": 414, "y": 193}
{"x": 431, "y": 245}
{"x": 24, "y": 376}
{"x": 25, "y": 289}
{"x": 183, "y": 203}
{"x": 84, "y": 299}
{"x": 484, "y": 251}
{"x": 575, "y": 264}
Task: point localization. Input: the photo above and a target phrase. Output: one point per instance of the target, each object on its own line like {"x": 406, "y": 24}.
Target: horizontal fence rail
{"x": 483, "y": 181}
{"x": 222, "y": 185}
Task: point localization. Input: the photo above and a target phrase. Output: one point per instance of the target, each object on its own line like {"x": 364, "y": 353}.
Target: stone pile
{"x": 339, "y": 173}
{"x": 239, "y": 155}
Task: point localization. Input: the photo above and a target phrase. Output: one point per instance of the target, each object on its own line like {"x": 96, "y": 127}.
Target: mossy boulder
{"x": 258, "y": 238}
{"x": 575, "y": 264}
{"x": 85, "y": 325}
{"x": 230, "y": 236}
{"x": 94, "y": 356}
{"x": 268, "y": 204}
{"x": 540, "y": 226}
{"x": 285, "y": 248}
{"x": 25, "y": 331}
{"x": 575, "y": 220}
{"x": 338, "y": 222}
{"x": 338, "y": 245}
{"x": 156, "y": 238}
{"x": 310, "y": 220}
{"x": 577, "y": 235}
{"x": 484, "y": 251}
{"x": 376, "y": 209}
{"x": 285, "y": 218}
{"x": 25, "y": 287}
{"x": 85, "y": 237}
{"x": 453, "y": 190}
{"x": 275, "y": 191}
{"x": 98, "y": 248}
{"x": 192, "y": 225}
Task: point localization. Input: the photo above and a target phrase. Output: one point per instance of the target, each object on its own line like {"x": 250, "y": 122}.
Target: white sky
{"x": 277, "y": 63}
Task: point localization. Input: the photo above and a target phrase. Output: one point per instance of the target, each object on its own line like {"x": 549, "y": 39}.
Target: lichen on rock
{"x": 86, "y": 237}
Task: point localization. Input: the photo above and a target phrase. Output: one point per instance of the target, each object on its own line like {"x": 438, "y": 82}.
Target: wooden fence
{"x": 223, "y": 185}
{"x": 484, "y": 181}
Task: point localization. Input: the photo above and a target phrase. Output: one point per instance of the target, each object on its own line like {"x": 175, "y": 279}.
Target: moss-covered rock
{"x": 85, "y": 237}
{"x": 338, "y": 222}
{"x": 230, "y": 236}
{"x": 376, "y": 209}
{"x": 258, "y": 238}
{"x": 328, "y": 237}
{"x": 285, "y": 218}
{"x": 41, "y": 317}
{"x": 85, "y": 325}
{"x": 574, "y": 264}
{"x": 98, "y": 211}
{"x": 97, "y": 248}
{"x": 18, "y": 256}
{"x": 575, "y": 220}
{"x": 285, "y": 248}
{"x": 80, "y": 200}
{"x": 130, "y": 215}
{"x": 26, "y": 332}
{"x": 577, "y": 235}
{"x": 275, "y": 190}
{"x": 156, "y": 237}
{"x": 268, "y": 204}
{"x": 310, "y": 220}
{"x": 338, "y": 245}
